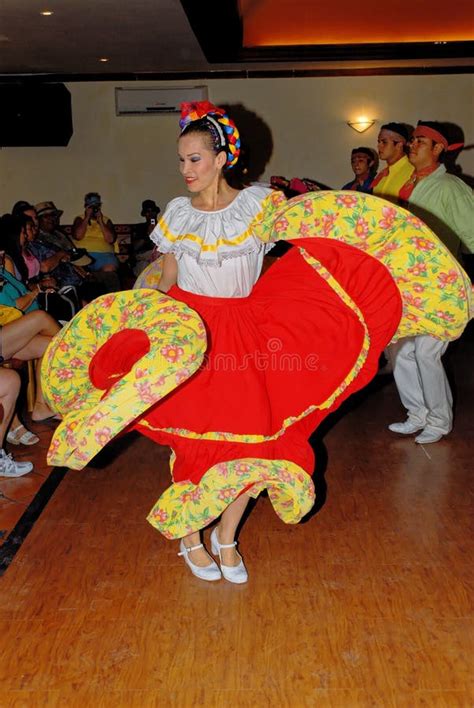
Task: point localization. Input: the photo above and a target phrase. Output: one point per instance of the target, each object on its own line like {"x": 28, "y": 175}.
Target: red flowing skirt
{"x": 275, "y": 359}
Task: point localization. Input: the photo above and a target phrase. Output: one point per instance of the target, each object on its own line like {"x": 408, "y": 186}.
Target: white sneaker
{"x": 406, "y": 428}
{"x": 10, "y": 468}
{"x": 428, "y": 436}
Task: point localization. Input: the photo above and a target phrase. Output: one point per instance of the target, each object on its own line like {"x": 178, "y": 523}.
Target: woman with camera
{"x": 97, "y": 234}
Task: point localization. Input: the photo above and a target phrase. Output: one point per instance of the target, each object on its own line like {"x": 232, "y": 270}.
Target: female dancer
{"x": 212, "y": 260}
{"x": 209, "y": 146}
{"x": 282, "y": 353}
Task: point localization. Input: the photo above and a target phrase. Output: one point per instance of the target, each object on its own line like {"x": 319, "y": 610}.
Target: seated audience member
{"x": 24, "y": 286}
{"x": 70, "y": 266}
{"x": 16, "y": 232}
{"x": 32, "y": 263}
{"x": 50, "y": 232}
{"x": 49, "y": 226}
{"x": 54, "y": 261}
{"x": 26, "y": 338}
{"x": 23, "y": 208}
{"x": 142, "y": 246}
{"x": 19, "y": 433}
{"x": 392, "y": 145}
{"x": 96, "y": 234}
{"x": 20, "y": 207}
{"x": 364, "y": 168}
{"x": 9, "y": 390}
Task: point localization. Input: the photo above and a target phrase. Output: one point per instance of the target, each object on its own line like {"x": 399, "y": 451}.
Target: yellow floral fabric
{"x": 185, "y": 507}
{"x": 436, "y": 293}
{"x": 150, "y": 276}
{"x": 91, "y": 419}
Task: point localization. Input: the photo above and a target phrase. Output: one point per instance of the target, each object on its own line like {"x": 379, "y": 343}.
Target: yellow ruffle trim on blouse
{"x": 272, "y": 201}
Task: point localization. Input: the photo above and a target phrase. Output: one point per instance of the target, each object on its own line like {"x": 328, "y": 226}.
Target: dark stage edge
{"x": 29, "y": 517}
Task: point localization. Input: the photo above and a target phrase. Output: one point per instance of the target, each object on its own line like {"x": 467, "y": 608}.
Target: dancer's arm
{"x": 169, "y": 274}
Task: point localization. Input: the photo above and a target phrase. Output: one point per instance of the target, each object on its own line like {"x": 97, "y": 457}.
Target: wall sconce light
{"x": 361, "y": 124}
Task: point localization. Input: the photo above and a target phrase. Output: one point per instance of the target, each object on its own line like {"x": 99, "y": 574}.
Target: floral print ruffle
{"x": 150, "y": 276}
{"x": 185, "y": 507}
{"x": 93, "y": 415}
{"x": 436, "y": 293}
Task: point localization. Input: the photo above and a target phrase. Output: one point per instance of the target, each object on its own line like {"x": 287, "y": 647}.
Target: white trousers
{"x": 422, "y": 382}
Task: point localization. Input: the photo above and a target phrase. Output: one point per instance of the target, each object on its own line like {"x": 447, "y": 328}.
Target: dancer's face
{"x": 199, "y": 165}
{"x": 361, "y": 164}
{"x": 390, "y": 146}
{"x": 424, "y": 152}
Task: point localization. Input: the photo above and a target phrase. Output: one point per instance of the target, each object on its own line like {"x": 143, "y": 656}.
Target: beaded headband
{"x": 222, "y": 128}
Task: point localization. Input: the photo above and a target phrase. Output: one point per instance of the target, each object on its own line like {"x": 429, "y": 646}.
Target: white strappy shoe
{"x": 207, "y": 572}
{"x": 232, "y": 573}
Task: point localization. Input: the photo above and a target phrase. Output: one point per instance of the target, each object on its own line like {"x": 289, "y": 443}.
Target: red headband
{"x": 427, "y": 132}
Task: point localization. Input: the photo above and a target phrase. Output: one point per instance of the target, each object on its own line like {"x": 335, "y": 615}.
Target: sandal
{"x": 21, "y": 436}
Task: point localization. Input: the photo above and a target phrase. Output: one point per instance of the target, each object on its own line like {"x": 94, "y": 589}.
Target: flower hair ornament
{"x": 222, "y": 128}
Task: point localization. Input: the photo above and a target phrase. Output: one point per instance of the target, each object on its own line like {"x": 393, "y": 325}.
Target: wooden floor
{"x": 367, "y": 603}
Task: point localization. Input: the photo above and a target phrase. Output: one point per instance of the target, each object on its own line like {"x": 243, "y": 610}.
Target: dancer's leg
{"x": 199, "y": 557}
{"x": 230, "y": 519}
{"x": 436, "y": 389}
{"x": 408, "y": 380}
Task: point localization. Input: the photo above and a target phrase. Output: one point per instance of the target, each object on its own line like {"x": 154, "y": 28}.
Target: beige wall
{"x": 128, "y": 159}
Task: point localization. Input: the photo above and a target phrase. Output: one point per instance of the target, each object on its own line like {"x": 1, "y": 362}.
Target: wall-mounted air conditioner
{"x": 150, "y": 101}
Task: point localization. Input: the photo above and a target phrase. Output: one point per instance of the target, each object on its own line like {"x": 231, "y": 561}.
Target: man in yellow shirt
{"x": 391, "y": 144}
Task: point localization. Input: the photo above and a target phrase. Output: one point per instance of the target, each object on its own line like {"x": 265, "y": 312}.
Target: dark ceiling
{"x": 166, "y": 39}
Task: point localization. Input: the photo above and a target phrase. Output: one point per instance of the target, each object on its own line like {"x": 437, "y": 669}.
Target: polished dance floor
{"x": 366, "y": 603}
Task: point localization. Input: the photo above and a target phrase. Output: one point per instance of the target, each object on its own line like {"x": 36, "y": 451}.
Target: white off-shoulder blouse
{"x": 218, "y": 253}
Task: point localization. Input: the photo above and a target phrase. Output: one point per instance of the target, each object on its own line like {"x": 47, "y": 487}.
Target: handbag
{"x": 9, "y": 314}
{"x": 61, "y": 304}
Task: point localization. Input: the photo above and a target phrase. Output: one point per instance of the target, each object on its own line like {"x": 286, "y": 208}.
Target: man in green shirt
{"x": 446, "y": 204}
